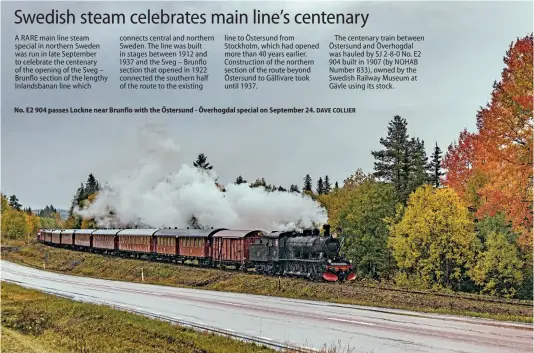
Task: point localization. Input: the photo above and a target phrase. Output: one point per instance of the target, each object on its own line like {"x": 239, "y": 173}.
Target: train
{"x": 296, "y": 253}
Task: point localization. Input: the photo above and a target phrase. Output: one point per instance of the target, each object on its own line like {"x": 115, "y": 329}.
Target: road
{"x": 299, "y": 322}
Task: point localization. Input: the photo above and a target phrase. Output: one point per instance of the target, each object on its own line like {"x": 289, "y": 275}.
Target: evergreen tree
{"x": 28, "y": 210}
{"x": 307, "y": 183}
{"x": 336, "y": 186}
{"x": 417, "y": 164}
{"x": 258, "y": 183}
{"x": 14, "y": 202}
{"x": 240, "y": 180}
{"x": 326, "y": 185}
{"x": 392, "y": 163}
{"x": 281, "y": 188}
{"x": 435, "y": 167}
{"x": 202, "y": 162}
{"x": 91, "y": 186}
{"x": 320, "y": 186}
{"x": 294, "y": 188}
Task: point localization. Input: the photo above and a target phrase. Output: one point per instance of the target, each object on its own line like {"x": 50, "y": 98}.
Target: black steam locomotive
{"x": 306, "y": 254}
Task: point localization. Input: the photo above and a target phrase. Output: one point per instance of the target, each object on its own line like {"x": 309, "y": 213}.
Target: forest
{"x": 457, "y": 220}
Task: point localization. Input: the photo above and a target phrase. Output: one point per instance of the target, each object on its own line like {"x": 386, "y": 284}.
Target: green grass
{"x": 34, "y": 322}
{"x": 98, "y": 266}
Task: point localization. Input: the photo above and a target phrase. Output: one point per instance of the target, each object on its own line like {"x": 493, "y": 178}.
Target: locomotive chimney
{"x": 326, "y": 228}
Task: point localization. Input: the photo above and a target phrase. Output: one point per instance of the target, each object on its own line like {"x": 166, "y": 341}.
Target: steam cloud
{"x": 162, "y": 191}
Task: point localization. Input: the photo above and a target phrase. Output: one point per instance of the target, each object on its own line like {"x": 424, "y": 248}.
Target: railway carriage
{"x": 105, "y": 239}
{"x": 167, "y": 243}
{"x": 67, "y": 237}
{"x": 56, "y": 236}
{"x": 84, "y": 238}
{"x": 196, "y": 243}
{"x": 137, "y": 240}
{"x": 231, "y": 247}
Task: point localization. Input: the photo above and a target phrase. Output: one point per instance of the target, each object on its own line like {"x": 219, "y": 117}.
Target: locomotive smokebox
{"x": 326, "y": 228}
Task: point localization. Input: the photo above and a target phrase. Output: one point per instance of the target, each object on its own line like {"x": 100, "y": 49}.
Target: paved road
{"x": 303, "y": 323}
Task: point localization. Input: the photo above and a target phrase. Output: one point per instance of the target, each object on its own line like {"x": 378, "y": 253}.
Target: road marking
{"x": 351, "y": 321}
{"x": 266, "y": 338}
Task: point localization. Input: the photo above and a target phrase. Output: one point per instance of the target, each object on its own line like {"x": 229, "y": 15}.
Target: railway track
{"x": 474, "y": 297}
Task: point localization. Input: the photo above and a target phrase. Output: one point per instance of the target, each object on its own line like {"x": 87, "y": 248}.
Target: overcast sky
{"x": 44, "y": 158}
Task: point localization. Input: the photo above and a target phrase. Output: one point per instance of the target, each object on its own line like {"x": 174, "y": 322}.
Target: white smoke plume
{"x": 163, "y": 191}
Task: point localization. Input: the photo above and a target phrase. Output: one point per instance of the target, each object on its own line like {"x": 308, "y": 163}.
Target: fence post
{"x": 142, "y": 275}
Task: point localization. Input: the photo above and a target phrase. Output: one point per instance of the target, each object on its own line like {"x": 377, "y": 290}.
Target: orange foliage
{"x": 502, "y": 148}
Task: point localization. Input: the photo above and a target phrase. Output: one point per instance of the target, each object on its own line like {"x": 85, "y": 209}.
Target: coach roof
{"x": 138, "y": 232}
{"x": 237, "y": 233}
{"x": 106, "y": 231}
{"x": 187, "y": 233}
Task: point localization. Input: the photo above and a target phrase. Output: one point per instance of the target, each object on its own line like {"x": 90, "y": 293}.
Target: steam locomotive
{"x": 304, "y": 254}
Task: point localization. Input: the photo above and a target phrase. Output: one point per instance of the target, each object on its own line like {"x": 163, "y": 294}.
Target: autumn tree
{"x": 505, "y": 140}
{"x": 498, "y": 270}
{"x": 307, "y": 183}
{"x": 14, "y": 203}
{"x": 240, "y": 180}
{"x": 459, "y": 163}
{"x": 320, "y": 187}
{"x": 357, "y": 178}
{"x": 202, "y": 162}
{"x": 435, "y": 172}
{"x": 361, "y": 216}
{"x": 433, "y": 239}
{"x": 326, "y": 185}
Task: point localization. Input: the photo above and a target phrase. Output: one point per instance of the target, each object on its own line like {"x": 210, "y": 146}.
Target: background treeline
{"x": 459, "y": 221}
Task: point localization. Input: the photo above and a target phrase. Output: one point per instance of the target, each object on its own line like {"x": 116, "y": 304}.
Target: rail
{"x": 473, "y": 297}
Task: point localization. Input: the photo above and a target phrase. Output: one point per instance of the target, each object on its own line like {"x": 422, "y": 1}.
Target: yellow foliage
{"x": 434, "y": 240}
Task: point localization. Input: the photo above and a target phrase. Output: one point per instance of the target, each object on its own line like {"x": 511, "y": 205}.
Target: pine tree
{"x": 418, "y": 165}
{"x": 91, "y": 186}
{"x": 281, "y": 188}
{"x": 435, "y": 167}
{"x": 320, "y": 186}
{"x": 294, "y": 188}
{"x": 202, "y": 162}
{"x": 240, "y": 180}
{"x": 326, "y": 185}
{"x": 258, "y": 183}
{"x": 336, "y": 186}
{"x": 392, "y": 163}
{"x": 14, "y": 202}
{"x": 307, "y": 183}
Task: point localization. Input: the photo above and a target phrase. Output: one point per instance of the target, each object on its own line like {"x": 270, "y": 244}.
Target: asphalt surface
{"x": 299, "y": 322}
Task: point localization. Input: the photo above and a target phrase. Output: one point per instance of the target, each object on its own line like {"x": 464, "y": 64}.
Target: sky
{"x": 46, "y": 157}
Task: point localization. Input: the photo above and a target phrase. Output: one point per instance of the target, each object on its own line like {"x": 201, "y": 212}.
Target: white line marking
{"x": 266, "y": 338}
{"x": 351, "y": 321}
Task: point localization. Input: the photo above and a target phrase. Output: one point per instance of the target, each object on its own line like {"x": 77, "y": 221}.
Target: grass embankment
{"x": 98, "y": 266}
{"x": 34, "y": 322}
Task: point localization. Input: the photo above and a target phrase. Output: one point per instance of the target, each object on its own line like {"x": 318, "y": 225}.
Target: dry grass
{"x": 98, "y": 266}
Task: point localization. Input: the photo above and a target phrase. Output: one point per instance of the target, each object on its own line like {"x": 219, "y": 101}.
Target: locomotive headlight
{"x": 350, "y": 262}
{"x": 329, "y": 261}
